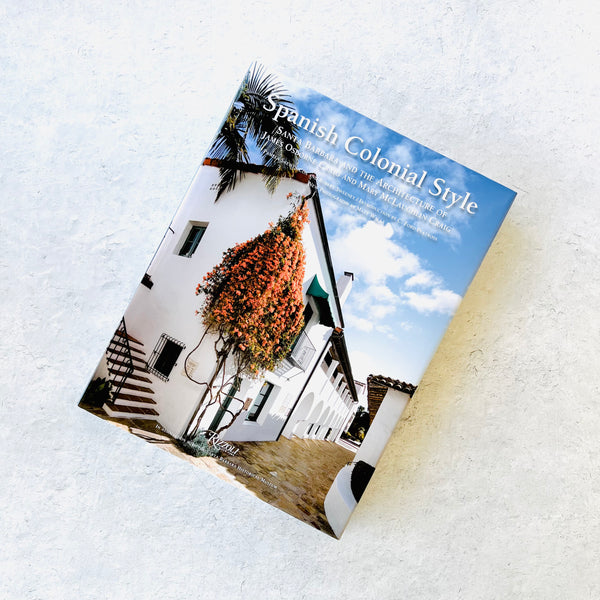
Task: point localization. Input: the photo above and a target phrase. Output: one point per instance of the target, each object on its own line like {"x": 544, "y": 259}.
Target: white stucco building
{"x": 310, "y": 394}
{"x": 387, "y": 399}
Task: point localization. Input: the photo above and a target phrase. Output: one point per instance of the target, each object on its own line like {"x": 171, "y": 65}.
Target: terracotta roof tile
{"x": 377, "y": 387}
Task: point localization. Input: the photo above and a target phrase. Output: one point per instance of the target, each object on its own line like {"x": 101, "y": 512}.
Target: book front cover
{"x": 296, "y": 299}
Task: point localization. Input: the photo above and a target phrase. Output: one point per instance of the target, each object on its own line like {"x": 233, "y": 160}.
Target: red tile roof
{"x": 377, "y": 387}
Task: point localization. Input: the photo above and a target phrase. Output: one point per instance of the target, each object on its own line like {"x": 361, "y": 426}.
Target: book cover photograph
{"x": 296, "y": 299}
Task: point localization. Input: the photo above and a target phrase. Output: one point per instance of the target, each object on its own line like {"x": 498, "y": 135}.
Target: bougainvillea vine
{"x": 253, "y": 301}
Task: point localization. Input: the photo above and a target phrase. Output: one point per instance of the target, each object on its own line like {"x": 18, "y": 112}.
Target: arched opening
{"x": 300, "y": 415}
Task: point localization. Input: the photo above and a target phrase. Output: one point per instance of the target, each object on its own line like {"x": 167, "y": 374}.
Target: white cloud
{"x": 375, "y": 302}
{"x": 406, "y": 325}
{"x": 379, "y": 312}
{"x": 400, "y": 154}
{"x": 371, "y": 254}
{"x": 437, "y": 301}
{"x": 390, "y": 282}
{"x": 360, "y": 323}
{"x": 422, "y": 279}
{"x": 375, "y": 293}
{"x": 387, "y": 331}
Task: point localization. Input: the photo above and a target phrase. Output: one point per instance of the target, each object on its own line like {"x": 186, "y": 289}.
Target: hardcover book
{"x": 296, "y": 299}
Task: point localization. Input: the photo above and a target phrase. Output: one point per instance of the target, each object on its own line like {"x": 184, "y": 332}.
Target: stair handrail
{"x": 120, "y": 338}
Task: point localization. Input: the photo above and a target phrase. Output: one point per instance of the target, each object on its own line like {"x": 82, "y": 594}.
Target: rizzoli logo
{"x": 216, "y": 442}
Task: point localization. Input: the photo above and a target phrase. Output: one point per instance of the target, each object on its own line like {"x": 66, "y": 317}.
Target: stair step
{"x": 129, "y": 412}
{"x": 116, "y": 361}
{"x": 122, "y": 398}
{"x": 116, "y": 345}
{"x": 150, "y": 435}
{"x": 129, "y": 337}
{"x": 130, "y": 385}
{"x": 127, "y": 404}
{"x": 133, "y": 375}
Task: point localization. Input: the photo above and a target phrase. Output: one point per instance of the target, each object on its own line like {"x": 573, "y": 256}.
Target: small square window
{"x": 192, "y": 240}
{"x": 164, "y": 356}
{"x": 260, "y": 402}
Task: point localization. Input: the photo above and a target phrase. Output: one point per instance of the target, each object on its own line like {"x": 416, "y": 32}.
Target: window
{"x": 260, "y": 401}
{"x": 164, "y": 356}
{"x": 192, "y": 240}
{"x": 147, "y": 281}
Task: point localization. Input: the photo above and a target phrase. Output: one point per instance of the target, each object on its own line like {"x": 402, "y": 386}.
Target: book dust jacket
{"x": 296, "y": 299}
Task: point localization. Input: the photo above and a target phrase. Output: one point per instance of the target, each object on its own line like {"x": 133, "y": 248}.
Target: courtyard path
{"x": 301, "y": 469}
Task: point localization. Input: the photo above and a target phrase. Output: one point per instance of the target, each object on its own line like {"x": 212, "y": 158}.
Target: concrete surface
{"x": 490, "y": 486}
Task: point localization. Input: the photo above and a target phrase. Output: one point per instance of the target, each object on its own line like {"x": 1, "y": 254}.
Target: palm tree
{"x": 248, "y": 121}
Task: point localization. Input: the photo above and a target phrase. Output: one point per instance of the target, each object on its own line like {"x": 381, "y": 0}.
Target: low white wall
{"x": 340, "y": 502}
{"x": 382, "y": 426}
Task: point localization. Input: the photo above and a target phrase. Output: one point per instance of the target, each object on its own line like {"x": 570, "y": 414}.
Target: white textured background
{"x": 490, "y": 488}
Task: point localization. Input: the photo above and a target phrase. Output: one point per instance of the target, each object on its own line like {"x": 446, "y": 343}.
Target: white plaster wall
{"x": 489, "y": 488}
{"x": 339, "y": 501}
{"x": 169, "y": 307}
{"x": 381, "y": 428}
{"x": 326, "y": 400}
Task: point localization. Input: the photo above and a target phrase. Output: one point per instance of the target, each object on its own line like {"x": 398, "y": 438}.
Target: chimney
{"x": 344, "y": 285}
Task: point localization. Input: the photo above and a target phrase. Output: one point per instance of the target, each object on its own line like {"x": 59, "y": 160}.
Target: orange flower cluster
{"x": 254, "y": 297}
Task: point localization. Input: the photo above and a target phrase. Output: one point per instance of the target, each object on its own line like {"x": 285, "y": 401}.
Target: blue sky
{"x": 407, "y": 285}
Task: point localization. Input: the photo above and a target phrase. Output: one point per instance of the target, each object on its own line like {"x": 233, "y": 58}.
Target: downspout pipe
{"x": 314, "y": 195}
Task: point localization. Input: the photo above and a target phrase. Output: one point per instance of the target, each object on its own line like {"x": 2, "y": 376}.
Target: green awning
{"x": 315, "y": 289}
{"x": 321, "y": 298}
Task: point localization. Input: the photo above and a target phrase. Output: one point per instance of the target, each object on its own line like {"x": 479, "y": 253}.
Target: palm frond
{"x": 248, "y": 117}
{"x": 228, "y": 179}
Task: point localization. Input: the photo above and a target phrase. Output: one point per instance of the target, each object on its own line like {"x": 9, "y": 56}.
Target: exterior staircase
{"x": 131, "y": 385}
